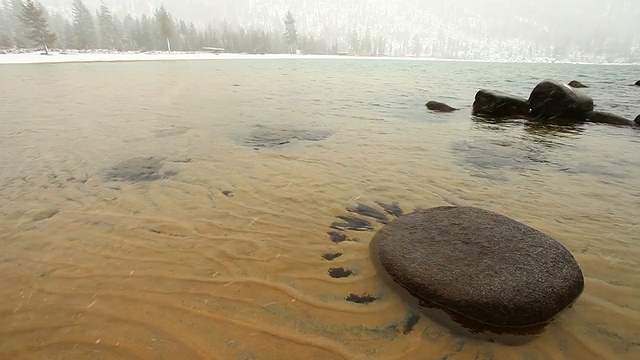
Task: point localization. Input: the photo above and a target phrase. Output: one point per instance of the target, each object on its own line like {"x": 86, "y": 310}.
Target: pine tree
{"x": 290, "y": 36}
{"x": 84, "y": 26}
{"x": 5, "y": 29}
{"x": 18, "y": 36}
{"x": 34, "y": 21}
{"x": 106, "y": 26}
{"x": 165, "y": 25}
{"x": 417, "y": 46}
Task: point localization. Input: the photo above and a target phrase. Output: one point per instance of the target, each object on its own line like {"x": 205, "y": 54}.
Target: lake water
{"x": 91, "y": 267}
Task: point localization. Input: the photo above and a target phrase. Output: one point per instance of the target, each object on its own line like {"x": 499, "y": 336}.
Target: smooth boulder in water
{"x": 638, "y": 83}
{"x": 491, "y": 103}
{"x": 439, "y": 107}
{"x": 554, "y": 101}
{"x": 480, "y": 264}
{"x": 608, "y": 118}
{"x": 577, "y": 84}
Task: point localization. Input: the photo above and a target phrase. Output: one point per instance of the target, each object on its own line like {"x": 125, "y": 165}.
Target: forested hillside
{"x": 587, "y": 30}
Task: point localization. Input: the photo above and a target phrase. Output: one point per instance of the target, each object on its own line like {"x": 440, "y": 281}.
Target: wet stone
{"x": 368, "y": 211}
{"x": 559, "y": 103}
{"x": 479, "y": 264}
{"x": 577, "y": 84}
{"x": 391, "y": 208}
{"x": 337, "y": 237}
{"x": 268, "y": 136}
{"x": 138, "y": 169}
{"x": 338, "y": 273}
{"x": 361, "y": 299}
{"x": 352, "y": 223}
{"x": 439, "y": 107}
{"x": 331, "y": 256}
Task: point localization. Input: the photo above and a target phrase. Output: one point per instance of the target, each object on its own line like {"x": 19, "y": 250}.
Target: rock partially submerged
{"x": 557, "y": 102}
{"x": 480, "y": 264}
{"x": 577, "y": 84}
{"x": 439, "y": 107}
{"x": 608, "y": 118}
{"x": 638, "y": 83}
{"x": 490, "y": 103}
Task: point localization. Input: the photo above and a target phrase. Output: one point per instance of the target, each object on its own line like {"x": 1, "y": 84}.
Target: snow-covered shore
{"x": 71, "y": 57}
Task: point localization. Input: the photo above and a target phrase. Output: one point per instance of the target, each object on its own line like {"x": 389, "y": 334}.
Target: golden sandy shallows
{"x": 92, "y": 268}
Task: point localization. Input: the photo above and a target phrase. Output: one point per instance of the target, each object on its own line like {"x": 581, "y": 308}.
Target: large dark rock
{"x": 480, "y": 264}
{"x": 489, "y": 103}
{"x": 638, "y": 83}
{"x": 439, "y": 107}
{"x": 608, "y": 118}
{"x": 637, "y": 120}
{"x": 577, "y": 84}
{"x": 554, "y": 101}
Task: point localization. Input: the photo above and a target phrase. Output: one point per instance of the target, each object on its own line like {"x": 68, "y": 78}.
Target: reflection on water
{"x": 137, "y": 223}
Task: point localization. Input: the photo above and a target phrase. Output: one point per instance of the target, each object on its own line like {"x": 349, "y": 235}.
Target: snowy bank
{"x": 72, "y": 57}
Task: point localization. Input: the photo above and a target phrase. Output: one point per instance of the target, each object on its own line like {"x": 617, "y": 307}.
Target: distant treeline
{"x": 161, "y": 31}
{"x": 103, "y": 29}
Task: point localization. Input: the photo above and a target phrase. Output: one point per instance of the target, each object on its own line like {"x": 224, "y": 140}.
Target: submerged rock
{"x": 337, "y": 237}
{"x": 338, "y": 273}
{"x": 391, "y": 208}
{"x": 608, "y": 118}
{"x": 331, "y": 256}
{"x": 577, "y": 84}
{"x": 480, "y": 264}
{"x": 361, "y": 299}
{"x": 439, "y": 107}
{"x": 554, "y": 101}
{"x": 352, "y": 223}
{"x": 368, "y": 211}
{"x": 138, "y": 169}
{"x": 490, "y": 103}
{"x": 268, "y": 136}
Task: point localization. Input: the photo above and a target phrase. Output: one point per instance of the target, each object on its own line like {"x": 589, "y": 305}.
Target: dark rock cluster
{"x": 550, "y": 102}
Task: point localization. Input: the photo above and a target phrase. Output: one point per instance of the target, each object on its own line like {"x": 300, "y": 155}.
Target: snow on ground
{"x": 54, "y": 57}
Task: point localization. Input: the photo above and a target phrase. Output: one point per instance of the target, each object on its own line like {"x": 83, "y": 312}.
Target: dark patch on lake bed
{"x": 331, "y": 256}
{"x": 352, "y": 223}
{"x": 138, "y": 169}
{"x": 392, "y": 208}
{"x": 338, "y": 273}
{"x": 337, "y": 237}
{"x": 272, "y": 136}
{"x": 368, "y": 211}
{"x": 361, "y": 299}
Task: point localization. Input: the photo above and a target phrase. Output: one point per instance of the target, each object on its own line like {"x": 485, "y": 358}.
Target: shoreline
{"x": 92, "y": 57}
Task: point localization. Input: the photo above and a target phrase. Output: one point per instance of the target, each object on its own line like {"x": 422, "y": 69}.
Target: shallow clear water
{"x": 173, "y": 268}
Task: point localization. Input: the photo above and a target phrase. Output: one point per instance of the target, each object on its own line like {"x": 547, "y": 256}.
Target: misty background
{"x": 573, "y": 30}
